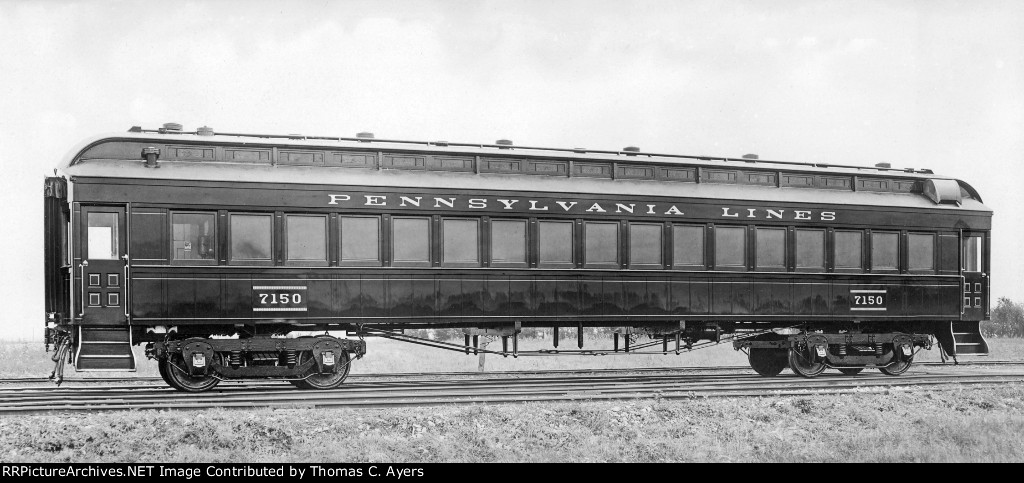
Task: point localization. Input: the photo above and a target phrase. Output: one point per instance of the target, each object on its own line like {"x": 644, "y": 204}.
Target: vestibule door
{"x": 102, "y": 269}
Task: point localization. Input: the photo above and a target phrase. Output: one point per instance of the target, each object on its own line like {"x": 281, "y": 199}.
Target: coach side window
{"x": 730, "y": 247}
{"x": 251, "y": 238}
{"x": 645, "y": 245}
{"x": 770, "y": 244}
{"x": 810, "y": 250}
{"x": 921, "y": 248}
{"x": 410, "y": 241}
{"x": 849, "y": 252}
{"x": 360, "y": 240}
{"x": 307, "y": 239}
{"x": 193, "y": 238}
{"x": 601, "y": 244}
{"x": 461, "y": 247}
{"x": 508, "y": 243}
{"x": 885, "y": 251}
{"x": 556, "y": 242}
{"x": 688, "y": 246}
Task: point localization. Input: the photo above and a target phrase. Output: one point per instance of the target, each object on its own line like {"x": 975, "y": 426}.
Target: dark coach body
{"x": 170, "y": 238}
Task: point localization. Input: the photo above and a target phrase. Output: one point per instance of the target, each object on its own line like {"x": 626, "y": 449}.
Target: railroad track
{"x": 413, "y": 391}
{"x": 636, "y": 370}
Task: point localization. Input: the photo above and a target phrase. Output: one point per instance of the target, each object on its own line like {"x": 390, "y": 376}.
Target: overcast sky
{"x": 929, "y": 84}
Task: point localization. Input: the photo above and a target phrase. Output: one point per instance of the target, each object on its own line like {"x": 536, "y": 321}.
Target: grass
{"x": 28, "y": 359}
{"x": 983, "y": 424}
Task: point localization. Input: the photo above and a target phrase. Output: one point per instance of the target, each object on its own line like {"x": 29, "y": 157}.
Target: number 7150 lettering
{"x": 280, "y": 298}
{"x": 868, "y": 300}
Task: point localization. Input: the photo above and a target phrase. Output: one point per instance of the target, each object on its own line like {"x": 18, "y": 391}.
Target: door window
{"x": 102, "y": 236}
{"x": 972, "y": 253}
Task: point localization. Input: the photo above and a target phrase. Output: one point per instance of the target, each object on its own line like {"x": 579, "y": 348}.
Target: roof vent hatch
{"x": 943, "y": 191}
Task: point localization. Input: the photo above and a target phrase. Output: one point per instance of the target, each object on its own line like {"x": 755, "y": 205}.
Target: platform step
{"x": 105, "y": 349}
{"x": 118, "y": 334}
{"x": 968, "y": 339}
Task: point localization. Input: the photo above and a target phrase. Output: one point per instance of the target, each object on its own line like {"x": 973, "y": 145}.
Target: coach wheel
{"x": 163, "y": 374}
{"x": 897, "y": 368}
{"x": 767, "y": 362}
{"x": 181, "y": 380}
{"x": 800, "y": 364}
{"x": 851, "y": 371}
{"x": 325, "y": 381}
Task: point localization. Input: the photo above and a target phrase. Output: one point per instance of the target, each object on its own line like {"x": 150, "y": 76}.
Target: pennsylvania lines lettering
{"x": 576, "y": 206}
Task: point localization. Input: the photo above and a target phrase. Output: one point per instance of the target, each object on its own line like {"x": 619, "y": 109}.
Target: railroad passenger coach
{"x": 222, "y": 252}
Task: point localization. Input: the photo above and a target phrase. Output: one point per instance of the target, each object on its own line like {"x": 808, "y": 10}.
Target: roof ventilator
{"x": 205, "y": 131}
{"x": 151, "y": 155}
{"x": 631, "y": 150}
{"x": 171, "y": 127}
{"x": 943, "y": 191}
{"x": 504, "y": 143}
{"x": 364, "y": 137}
{"x": 751, "y": 156}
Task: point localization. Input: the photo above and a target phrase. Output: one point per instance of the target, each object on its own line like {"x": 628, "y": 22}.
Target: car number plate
{"x": 279, "y": 298}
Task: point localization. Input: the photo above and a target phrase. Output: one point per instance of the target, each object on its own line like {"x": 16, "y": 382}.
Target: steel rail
{"x": 377, "y": 386}
{"x": 381, "y": 375}
{"x": 474, "y": 374}
{"x": 432, "y": 393}
{"x": 441, "y": 399}
{"x": 71, "y": 393}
